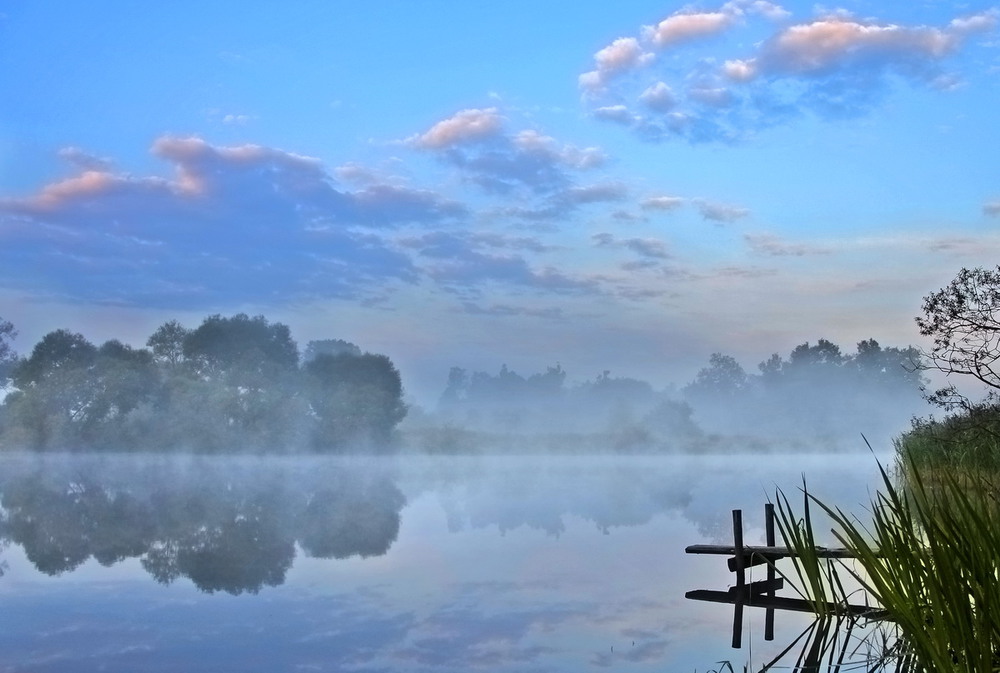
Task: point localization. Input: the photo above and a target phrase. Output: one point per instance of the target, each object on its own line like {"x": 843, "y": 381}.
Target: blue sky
{"x": 626, "y": 186}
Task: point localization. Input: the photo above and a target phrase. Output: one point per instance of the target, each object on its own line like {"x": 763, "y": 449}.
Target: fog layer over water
{"x": 408, "y": 563}
{"x": 818, "y": 398}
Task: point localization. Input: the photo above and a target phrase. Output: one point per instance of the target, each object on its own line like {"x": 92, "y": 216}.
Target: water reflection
{"x": 503, "y": 564}
{"x": 225, "y": 526}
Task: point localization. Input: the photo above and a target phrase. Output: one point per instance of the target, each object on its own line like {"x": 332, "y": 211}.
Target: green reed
{"x": 929, "y": 556}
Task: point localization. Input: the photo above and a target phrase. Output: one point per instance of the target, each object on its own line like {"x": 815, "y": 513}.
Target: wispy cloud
{"x": 773, "y": 246}
{"x": 720, "y": 212}
{"x": 644, "y": 247}
{"x": 467, "y": 262}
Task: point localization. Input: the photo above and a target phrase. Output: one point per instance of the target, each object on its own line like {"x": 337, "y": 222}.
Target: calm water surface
{"x": 390, "y": 564}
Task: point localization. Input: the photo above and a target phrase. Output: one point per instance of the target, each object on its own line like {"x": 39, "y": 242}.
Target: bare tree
{"x": 963, "y": 319}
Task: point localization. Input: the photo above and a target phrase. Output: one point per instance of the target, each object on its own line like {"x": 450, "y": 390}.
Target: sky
{"x": 625, "y": 186}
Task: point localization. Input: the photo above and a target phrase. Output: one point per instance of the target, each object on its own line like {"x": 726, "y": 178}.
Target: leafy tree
{"x": 167, "y": 342}
{"x": 963, "y": 319}
{"x": 723, "y": 378}
{"x": 354, "y": 398}
{"x": 247, "y": 368}
{"x": 329, "y": 347}
{"x": 8, "y": 358}
{"x": 54, "y": 392}
{"x": 57, "y": 352}
{"x": 457, "y": 388}
{"x": 241, "y": 343}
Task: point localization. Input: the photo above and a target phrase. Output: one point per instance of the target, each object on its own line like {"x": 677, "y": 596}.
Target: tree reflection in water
{"x": 232, "y": 526}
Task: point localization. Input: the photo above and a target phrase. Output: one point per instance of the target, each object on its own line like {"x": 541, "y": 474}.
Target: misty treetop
{"x": 817, "y": 397}
{"x": 231, "y": 384}
{"x": 818, "y": 392}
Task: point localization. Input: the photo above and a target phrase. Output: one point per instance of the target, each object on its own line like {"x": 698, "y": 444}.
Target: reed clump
{"x": 928, "y": 554}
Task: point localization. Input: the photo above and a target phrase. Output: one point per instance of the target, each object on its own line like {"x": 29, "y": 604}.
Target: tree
{"x": 8, "y": 358}
{"x": 220, "y": 345}
{"x": 355, "y": 398}
{"x": 723, "y": 378}
{"x": 329, "y": 347}
{"x": 167, "y": 342}
{"x": 963, "y": 319}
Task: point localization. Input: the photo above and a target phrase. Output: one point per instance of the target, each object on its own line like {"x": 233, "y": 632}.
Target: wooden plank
{"x": 769, "y": 539}
{"x": 765, "y": 551}
{"x": 758, "y": 587}
{"x": 778, "y": 603}
{"x": 740, "y": 579}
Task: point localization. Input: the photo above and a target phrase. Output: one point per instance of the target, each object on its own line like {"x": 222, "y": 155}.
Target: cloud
{"x": 500, "y": 162}
{"x": 465, "y": 127}
{"x": 623, "y": 54}
{"x": 84, "y": 160}
{"x": 720, "y": 212}
{"x": 686, "y": 26}
{"x": 601, "y": 192}
{"x": 772, "y": 246}
{"x": 833, "y": 64}
{"x": 615, "y": 113}
{"x": 644, "y": 247}
{"x": 506, "y": 310}
{"x": 834, "y": 43}
{"x": 466, "y": 262}
{"x": 991, "y": 208}
{"x": 234, "y": 224}
{"x": 658, "y": 97}
{"x": 665, "y": 203}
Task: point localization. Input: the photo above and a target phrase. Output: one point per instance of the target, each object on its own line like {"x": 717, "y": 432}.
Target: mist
{"x": 816, "y": 399}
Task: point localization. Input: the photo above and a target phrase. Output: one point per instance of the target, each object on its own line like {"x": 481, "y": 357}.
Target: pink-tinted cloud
{"x": 503, "y": 162}
{"x": 466, "y": 126}
{"x": 834, "y": 64}
{"x": 682, "y": 27}
{"x": 232, "y": 222}
{"x": 622, "y": 55}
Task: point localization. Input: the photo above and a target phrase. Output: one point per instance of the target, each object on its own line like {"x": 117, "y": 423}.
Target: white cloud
{"x": 835, "y": 65}
{"x": 466, "y": 126}
{"x": 720, "y": 212}
{"x": 992, "y": 208}
{"x": 666, "y": 203}
{"x": 688, "y": 26}
{"x": 739, "y": 70}
{"x": 658, "y": 97}
{"x": 622, "y": 55}
{"x": 615, "y": 113}
{"x": 824, "y": 44}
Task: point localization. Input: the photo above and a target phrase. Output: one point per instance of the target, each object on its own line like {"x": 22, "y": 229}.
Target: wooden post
{"x": 769, "y": 540}
{"x": 740, "y": 578}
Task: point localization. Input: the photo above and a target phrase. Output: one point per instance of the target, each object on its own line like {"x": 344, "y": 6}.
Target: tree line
{"x": 815, "y": 396}
{"x": 232, "y": 384}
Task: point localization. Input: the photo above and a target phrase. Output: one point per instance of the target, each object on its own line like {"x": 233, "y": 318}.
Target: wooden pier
{"x": 762, "y": 592}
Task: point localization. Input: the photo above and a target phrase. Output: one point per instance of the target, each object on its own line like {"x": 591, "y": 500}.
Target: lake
{"x": 406, "y": 563}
